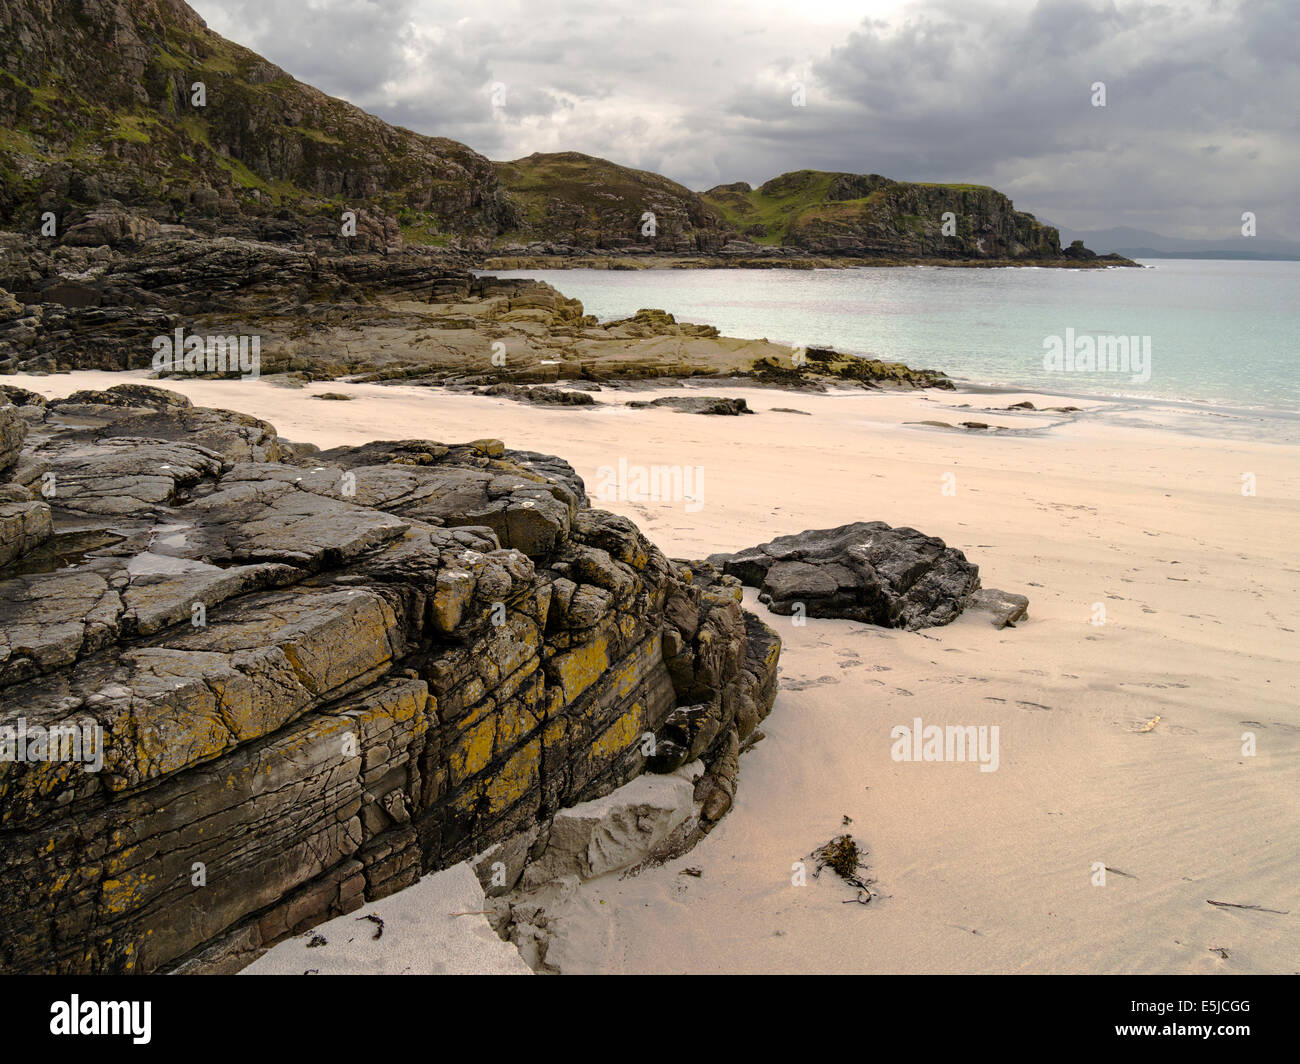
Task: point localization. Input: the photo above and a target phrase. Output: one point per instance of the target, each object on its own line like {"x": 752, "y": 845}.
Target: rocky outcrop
{"x": 865, "y": 571}
{"x": 24, "y": 522}
{"x": 410, "y": 317}
{"x": 289, "y": 681}
{"x": 868, "y": 216}
{"x": 13, "y": 430}
{"x": 573, "y": 203}
{"x": 698, "y": 404}
{"x": 579, "y": 206}
{"x": 538, "y": 395}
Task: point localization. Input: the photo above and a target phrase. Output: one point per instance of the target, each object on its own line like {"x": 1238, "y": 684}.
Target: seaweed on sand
{"x": 843, "y": 857}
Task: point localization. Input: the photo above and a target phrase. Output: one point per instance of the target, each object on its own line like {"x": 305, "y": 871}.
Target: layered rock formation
{"x": 310, "y": 677}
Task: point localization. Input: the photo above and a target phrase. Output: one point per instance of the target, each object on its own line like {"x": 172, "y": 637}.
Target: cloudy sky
{"x": 1200, "y": 122}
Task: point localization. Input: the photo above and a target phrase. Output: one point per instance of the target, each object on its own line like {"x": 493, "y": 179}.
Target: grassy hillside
{"x": 580, "y": 200}
{"x": 869, "y": 214}
{"x": 98, "y": 103}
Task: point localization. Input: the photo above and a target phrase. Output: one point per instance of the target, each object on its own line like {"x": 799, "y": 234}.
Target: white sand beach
{"x": 1121, "y": 742}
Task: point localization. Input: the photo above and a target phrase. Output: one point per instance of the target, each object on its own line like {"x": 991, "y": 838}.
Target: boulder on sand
{"x": 865, "y": 571}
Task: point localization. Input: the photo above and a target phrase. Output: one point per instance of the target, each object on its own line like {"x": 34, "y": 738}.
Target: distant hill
{"x": 866, "y": 214}
{"x": 1144, "y": 244}
{"x": 580, "y": 201}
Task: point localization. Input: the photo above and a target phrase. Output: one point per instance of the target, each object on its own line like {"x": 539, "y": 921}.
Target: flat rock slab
{"x": 539, "y": 395}
{"x": 420, "y": 934}
{"x": 1005, "y": 607}
{"x": 698, "y": 404}
{"x": 615, "y": 832}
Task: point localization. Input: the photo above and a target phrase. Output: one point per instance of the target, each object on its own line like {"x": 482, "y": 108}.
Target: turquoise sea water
{"x": 1219, "y": 331}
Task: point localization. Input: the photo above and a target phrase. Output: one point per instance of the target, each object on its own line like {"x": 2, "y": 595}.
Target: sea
{"x": 1215, "y": 333}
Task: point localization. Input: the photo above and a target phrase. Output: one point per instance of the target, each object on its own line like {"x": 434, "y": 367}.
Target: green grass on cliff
{"x": 765, "y": 215}
{"x": 82, "y": 106}
{"x": 952, "y": 185}
{"x": 775, "y": 211}
{"x": 579, "y": 190}
{"x": 772, "y": 212}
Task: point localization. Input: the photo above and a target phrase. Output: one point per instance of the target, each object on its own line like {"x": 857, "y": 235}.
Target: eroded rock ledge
{"x": 412, "y": 317}
{"x": 320, "y": 675}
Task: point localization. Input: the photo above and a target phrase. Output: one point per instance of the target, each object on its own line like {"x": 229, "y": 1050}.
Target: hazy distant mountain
{"x": 1144, "y": 244}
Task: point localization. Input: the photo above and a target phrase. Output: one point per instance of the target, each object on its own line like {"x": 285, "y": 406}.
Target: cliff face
{"x": 97, "y": 101}
{"x": 317, "y": 676}
{"x": 869, "y": 215}
{"x": 572, "y": 202}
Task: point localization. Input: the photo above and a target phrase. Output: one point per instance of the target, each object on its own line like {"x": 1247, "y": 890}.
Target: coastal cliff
{"x": 575, "y": 205}
{"x": 123, "y": 118}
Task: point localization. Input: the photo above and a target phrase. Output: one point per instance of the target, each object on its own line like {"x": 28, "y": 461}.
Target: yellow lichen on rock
{"x": 516, "y": 778}
{"x": 626, "y": 730}
{"x": 580, "y": 668}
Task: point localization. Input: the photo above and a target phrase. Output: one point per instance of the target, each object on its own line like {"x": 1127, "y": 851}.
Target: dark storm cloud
{"x": 1199, "y": 123}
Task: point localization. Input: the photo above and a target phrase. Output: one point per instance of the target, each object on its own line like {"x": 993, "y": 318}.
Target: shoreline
{"x": 1281, "y": 427}
{"x": 613, "y": 261}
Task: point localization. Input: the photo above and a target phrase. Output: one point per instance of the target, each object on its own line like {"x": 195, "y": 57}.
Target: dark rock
{"x": 24, "y": 522}
{"x": 866, "y": 571}
{"x": 13, "y": 430}
{"x": 698, "y": 404}
{"x": 539, "y": 395}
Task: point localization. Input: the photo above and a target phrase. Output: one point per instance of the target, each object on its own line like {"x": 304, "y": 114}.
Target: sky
{"x": 1199, "y": 123}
